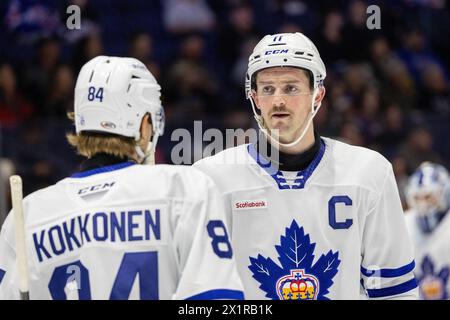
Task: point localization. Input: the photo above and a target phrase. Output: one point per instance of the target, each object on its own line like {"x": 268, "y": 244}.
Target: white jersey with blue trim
{"x": 332, "y": 231}
{"x": 432, "y": 255}
{"x": 124, "y": 231}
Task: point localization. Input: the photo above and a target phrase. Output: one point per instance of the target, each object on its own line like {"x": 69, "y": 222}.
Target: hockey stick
{"x": 21, "y": 250}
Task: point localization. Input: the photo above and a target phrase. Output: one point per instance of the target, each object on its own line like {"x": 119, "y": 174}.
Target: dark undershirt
{"x": 293, "y": 162}
{"x": 100, "y": 160}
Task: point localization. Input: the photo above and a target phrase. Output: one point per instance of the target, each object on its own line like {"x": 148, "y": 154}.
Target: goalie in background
{"x": 428, "y": 222}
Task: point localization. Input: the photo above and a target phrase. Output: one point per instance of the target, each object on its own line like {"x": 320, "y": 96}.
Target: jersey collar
{"x": 104, "y": 169}
{"x": 276, "y": 174}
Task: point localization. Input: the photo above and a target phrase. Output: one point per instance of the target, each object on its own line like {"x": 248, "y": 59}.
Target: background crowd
{"x": 388, "y": 89}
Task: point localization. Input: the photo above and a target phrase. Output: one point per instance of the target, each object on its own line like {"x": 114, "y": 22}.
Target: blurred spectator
{"x": 368, "y": 118}
{"x": 324, "y": 123}
{"x": 416, "y": 54}
{"x": 14, "y": 107}
{"x": 35, "y": 164}
{"x": 340, "y": 101}
{"x": 357, "y": 77}
{"x": 418, "y": 148}
{"x": 436, "y": 96}
{"x": 381, "y": 54}
{"x": 141, "y": 48}
{"x": 356, "y": 35}
{"x": 240, "y": 120}
{"x": 399, "y": 87}
{"x": 293, "y": 11}
{"x": 37, "y": 76}
{"x": 330, "y": 39}
{"x": 186, "y": 16}
{"x": 191, "y": 87}
{"x": 394, "y": 131}
{"x": 60, "y": 96}
{"x": 31, "y": 20}
{"x": 86, "y": 49}
{"x": 351, "y": 134}
{"x": 240, "y": 67}
{"x": 396, "y": 82}
{"x": 237, "y": 30}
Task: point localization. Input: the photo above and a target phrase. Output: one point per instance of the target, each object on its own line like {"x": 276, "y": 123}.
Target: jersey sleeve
{"x": 206, "y": 261}
{"x": 387, "y": 252}
{"x": 9, "y": 289}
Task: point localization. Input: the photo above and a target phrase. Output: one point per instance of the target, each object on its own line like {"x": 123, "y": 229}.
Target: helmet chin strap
{"x": 307, "y": 121}
{"x": 147, "y": 156}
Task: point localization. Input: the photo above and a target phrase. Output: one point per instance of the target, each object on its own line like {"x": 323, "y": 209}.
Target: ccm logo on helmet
{"x": 278, "y": 51}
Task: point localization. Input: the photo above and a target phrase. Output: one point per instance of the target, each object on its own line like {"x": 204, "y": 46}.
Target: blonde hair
{"x": 89, "y": 144}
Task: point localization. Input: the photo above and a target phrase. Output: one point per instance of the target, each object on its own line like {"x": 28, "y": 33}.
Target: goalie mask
{"x": 428, "y": 194}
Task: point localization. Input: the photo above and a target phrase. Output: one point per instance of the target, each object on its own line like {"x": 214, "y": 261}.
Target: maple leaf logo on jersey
{"x": 432, "y": 284}
{"x": 297, "y": 278}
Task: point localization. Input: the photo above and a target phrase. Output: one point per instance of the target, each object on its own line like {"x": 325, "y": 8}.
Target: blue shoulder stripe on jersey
{"x": 2, "y": 274}
{"x": 389, "y": 273}
{"x": 277, "y": 175}
{"x": 263, "y": 162}
{"x": 113, "y": 167}
{"x": 268, "y": 167}
{"x": 219, "y": 294}
{"x": 394, "y": 290}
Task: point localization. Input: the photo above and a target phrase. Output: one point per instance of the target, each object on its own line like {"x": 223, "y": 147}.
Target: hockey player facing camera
{"x": 118, "y": 229}
{"x": 428, "y": 222}
{"x": 322, "y": 219}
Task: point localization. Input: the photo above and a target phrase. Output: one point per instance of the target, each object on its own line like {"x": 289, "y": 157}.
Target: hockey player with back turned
{"x": 118, "y": 229}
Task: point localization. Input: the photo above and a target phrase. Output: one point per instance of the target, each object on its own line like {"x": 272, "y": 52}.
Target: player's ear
{"x": 320, "y": 95}
{"x": 146, "y": 130}
{"x": 255, "y": 98}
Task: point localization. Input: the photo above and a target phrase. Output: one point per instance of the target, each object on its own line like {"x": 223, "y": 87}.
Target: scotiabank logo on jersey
{"x": 250, "y": 204}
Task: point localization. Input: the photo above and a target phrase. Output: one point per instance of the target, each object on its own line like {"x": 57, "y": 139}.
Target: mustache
{"x": 278, "y": 110}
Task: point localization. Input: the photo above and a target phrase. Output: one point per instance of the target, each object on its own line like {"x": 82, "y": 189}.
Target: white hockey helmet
{"x": 285, "y": 50}
{"x": 428, "y": 189}
{"x": 113, "y": 94}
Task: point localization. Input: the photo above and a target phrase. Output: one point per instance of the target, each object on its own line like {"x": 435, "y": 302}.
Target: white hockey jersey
{"x": 124, "y": 231}
{"x": 432, "y": 255}
{"x": 332, "y": 231}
